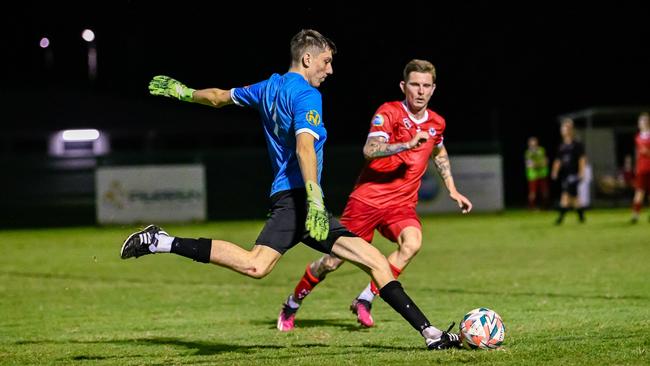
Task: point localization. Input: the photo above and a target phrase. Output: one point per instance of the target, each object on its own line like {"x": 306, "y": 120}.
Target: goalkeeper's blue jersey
{"x": 288, "y": 106}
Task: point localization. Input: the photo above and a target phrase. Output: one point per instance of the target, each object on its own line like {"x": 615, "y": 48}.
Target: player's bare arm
{"x": 555, "y": 170}
{"x": 212, "y": 97}
{"x": 378, "y": 147}
{"x": 582, "y": 165}
{"x": 317, "y": 222}
{"x": 307, "y": 157}
{"x": 166, "y": 86}
{"x": 441, "y": 160}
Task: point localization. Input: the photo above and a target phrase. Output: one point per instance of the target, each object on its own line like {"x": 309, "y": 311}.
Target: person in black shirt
{"x": 569, "y": 168}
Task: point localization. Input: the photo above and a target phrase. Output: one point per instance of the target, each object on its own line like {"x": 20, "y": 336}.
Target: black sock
{"x": 563, "y": 211}
{"x": 197, "y": 249}
{"x": 581, "y": 214}
{"x": 394, "y": 295}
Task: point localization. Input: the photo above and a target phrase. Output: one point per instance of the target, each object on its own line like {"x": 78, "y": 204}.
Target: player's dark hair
{"x": 309, "y": 39}
{"x": 416, "y": 65}
{"x": 644, "y": 114}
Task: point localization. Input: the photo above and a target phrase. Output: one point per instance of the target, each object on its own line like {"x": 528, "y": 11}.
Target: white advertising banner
{"x": 479, "y": 178}
{"x": 150, "y": 194}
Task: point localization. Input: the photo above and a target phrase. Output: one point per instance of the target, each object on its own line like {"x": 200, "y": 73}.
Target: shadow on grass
{"x": 210, "y": 348}
{"x": 90, "y": 357}
{"x": 202, "y": 348}
{"x": 344, "y": 324}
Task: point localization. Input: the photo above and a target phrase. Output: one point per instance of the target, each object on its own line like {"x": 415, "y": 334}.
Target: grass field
{"x": 569, "y": 295}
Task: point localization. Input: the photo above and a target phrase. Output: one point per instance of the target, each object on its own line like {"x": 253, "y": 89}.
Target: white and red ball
{"x": 482, "y": 328}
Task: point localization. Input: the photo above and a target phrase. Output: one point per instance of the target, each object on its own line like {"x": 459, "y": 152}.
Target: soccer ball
{"x": 482, "y": 328}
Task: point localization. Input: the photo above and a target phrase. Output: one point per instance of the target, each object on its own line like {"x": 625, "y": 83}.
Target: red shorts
{"x": 362, "y": 219}
{"x": 641, "y": 181}
{"x": 538, "y": 185}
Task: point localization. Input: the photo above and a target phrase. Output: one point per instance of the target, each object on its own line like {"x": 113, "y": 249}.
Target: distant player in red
{"x": 403, "y": 136}
{"x": 642, "y": 176}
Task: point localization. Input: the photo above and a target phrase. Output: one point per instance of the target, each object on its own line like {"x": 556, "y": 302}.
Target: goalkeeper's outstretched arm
{"x": 168, "y": 87}
{"x": 212, "y": 97}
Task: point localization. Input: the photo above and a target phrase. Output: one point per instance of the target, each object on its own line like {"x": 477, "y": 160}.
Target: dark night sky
{"x": 503, "y": 72}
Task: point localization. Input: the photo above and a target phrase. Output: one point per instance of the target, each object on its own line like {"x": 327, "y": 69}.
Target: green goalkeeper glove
{"x": 318, "y": 222}
{"x": 168, "y": 87}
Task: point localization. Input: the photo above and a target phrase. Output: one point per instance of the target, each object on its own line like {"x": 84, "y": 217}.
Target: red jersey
{"x": 642, "y": 142}
{"x": 395, "y": 180}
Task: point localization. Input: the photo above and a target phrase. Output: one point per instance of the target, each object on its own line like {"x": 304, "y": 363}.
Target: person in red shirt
{"x": 642, "y": 176}
{"x": 403, "y": 136}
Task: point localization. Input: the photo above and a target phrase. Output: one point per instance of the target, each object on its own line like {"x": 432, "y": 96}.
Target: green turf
{"x": 569, "y": 295}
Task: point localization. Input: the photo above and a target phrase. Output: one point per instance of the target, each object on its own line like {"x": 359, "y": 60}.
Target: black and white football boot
{"x": 141, "y": 242}
{"x": 445, "y": 341}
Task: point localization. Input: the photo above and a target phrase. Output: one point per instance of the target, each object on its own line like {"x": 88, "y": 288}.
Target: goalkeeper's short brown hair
{"x": 309, "y": 40}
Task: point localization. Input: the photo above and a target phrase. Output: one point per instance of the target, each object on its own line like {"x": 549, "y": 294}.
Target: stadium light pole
{"x": 89, "y": 36}
{"x": 48, "y": 56}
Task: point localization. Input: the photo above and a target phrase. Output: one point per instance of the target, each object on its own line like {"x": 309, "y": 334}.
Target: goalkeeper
{"x": 290, "y": 107}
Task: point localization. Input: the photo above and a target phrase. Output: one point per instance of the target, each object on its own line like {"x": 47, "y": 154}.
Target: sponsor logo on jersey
{"x": 313, "y": 118}
{"x": 432, "y": 131}
{"x": 378, "y": 120}
{"x": 407, "y": 123}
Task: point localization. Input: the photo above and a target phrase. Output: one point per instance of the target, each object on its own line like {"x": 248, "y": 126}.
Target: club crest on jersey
{"x": 432, "y": 131}
{"x": 313, "y": 118}
{"x": 378, "y": 120}
{"x": 407, "y": 123}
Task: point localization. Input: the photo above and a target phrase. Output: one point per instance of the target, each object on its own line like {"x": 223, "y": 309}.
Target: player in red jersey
{"x": 642, "y": 176}
{"x": 403, "y": 136}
